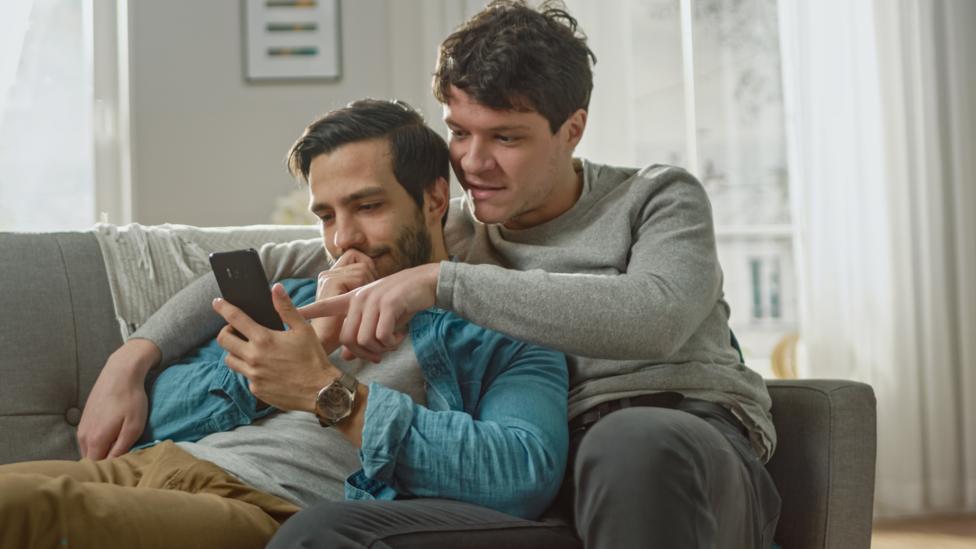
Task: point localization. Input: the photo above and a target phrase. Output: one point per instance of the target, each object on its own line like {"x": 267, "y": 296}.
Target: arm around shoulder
{"x": 188, "y": 319}
{"x": 639, "y": 296}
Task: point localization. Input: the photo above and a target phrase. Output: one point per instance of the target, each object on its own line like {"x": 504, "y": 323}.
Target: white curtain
{"x": 46, "y": 139}
{"x": 13, "y": 26}
{"x": 416, "y": 29}
{"x": 881, "y": 122}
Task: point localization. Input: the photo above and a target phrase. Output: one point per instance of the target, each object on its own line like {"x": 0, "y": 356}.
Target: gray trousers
{"x": 641, "y": 477}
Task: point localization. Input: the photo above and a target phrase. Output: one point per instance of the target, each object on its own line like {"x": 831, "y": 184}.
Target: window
{"x": 46, "y": 138}
{"x": 696, "y": 83}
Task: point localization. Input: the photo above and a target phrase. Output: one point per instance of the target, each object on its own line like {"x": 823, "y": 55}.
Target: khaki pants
{"x": 158, "y": 497}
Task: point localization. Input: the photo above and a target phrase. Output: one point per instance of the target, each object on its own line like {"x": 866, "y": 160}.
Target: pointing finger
{"x": 333, "y": 306}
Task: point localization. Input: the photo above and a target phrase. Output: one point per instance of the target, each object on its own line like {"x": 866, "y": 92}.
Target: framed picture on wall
{"x": 291, "y": 40}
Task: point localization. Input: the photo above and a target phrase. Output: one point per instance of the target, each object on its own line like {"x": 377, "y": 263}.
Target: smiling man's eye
{"x": 370, "y": 206}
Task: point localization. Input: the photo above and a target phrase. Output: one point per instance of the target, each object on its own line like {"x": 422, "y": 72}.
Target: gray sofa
{"x": 58, "y": 326}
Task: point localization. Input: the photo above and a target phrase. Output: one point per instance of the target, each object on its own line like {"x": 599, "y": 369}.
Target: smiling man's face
{"x": 363, "y": 207}
{"x": 507, "y": 161}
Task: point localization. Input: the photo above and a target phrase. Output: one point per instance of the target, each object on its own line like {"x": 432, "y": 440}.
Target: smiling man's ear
{"x": 437, "y": 197}
{"x": 574, "y": 127}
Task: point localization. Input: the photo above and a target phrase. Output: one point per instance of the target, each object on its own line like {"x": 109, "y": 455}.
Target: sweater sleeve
{"x": 187, "y": 319}
{"x": 671, "y": 284}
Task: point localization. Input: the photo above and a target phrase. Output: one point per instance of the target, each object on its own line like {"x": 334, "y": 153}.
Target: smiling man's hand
{"x": 353, "y": 270}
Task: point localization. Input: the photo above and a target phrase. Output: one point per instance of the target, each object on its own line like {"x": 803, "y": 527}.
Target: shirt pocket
{"x": 181, "y": 404}
{"x": 237, "y": 405}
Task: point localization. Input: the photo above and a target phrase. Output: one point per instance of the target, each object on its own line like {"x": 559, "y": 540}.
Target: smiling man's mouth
{"x": 483, "y": 192}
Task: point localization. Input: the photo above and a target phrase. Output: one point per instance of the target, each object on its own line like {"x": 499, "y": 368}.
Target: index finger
{"x": 237, "y": 318}
{"x": 333, "y": 306}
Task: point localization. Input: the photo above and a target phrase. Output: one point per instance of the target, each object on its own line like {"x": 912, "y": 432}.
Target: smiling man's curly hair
{"x": 513, "y": 57}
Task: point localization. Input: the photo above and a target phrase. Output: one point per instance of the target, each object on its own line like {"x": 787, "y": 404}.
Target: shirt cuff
{"x": 389, "y": 415}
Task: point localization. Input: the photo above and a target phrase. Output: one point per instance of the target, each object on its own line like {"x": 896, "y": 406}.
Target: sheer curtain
{"x": 881, "y": 121}
{"x": 46, "y": 139}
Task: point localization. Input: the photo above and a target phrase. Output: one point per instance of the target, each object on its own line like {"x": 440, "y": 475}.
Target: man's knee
{"x": 27, "y": 507}
{"x": 641, "y": 475}
{"x": 637, "y": 443}
{"x": 26, "y": 494}
{"x": 327, "y": 524}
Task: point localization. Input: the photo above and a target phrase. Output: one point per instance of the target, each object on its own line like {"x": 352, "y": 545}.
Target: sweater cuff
{"x": 445, "y": 285}
{"x": 158, "y": 332}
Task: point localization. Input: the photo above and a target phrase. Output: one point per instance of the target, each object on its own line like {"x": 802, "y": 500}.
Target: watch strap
{"x": 350, "y": 382}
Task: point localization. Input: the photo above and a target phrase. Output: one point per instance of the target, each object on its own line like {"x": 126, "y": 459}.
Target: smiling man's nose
{"x": 477, "y": 158}
{"x": 348, "y": 235}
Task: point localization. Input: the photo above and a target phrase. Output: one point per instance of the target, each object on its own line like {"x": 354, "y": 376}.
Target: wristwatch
{"x": 334, "y": 402}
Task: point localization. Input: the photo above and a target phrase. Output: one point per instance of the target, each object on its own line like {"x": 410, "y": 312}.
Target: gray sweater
{"x": 627, "y": 283}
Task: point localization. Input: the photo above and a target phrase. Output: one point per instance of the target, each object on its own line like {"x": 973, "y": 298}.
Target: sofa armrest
{"x": 57, "y": 329}
{"x": 824, "y": 463}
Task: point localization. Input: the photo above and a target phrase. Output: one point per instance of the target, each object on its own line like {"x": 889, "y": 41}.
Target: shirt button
{"x": 72, "y": 416}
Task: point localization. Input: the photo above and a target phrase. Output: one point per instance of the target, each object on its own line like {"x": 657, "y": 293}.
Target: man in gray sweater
{"x": 617, "y": 267}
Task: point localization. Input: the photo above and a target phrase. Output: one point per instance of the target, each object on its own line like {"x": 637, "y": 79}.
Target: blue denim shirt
{"x": 493, "y": 433}
{"x": 199, "y": 394}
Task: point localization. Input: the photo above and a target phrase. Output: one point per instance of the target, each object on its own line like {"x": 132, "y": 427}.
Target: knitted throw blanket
{"x": 146, "y": 265}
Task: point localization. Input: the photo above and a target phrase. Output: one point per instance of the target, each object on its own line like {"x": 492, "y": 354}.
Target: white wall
{"x": 208, "y": 147}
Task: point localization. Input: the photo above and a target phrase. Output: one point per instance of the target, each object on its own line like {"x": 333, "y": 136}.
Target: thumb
{"x": 333, "y": 306}
{"x": 286, "y": 309}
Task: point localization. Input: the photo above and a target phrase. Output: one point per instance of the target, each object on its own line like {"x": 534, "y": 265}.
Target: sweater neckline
{"x": 586, "y": 168}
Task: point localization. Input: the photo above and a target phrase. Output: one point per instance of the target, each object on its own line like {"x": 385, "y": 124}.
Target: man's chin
{"x": 488, "y": 214}
{"x": 386, "y": 265}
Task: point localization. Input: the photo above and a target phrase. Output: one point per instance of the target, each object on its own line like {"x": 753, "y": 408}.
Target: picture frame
{"x": 291, "y": 40}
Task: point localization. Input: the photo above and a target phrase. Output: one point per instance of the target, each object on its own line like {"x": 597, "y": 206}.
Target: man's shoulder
{"x": 652, "y": 176}
{"x": 643, "y": 189}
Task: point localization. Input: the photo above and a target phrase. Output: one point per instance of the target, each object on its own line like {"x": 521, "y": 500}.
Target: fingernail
{"x": 216, "y": 301}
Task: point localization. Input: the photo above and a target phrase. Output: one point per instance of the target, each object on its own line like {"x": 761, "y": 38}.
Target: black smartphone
{"x": 241, "y": 279}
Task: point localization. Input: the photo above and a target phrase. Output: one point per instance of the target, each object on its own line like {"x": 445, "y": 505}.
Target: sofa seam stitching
{"x": 830, "y": 473}
{"x": 74, "y": 323}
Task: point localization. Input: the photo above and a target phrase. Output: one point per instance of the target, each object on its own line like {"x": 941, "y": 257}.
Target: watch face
{"x": 335, "y": 402}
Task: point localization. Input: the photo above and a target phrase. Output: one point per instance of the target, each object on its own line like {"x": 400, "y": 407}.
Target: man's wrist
{"x": 351, "y": 427}
{"x": 138, "y": 355}
{"x": 330, "y": 375}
